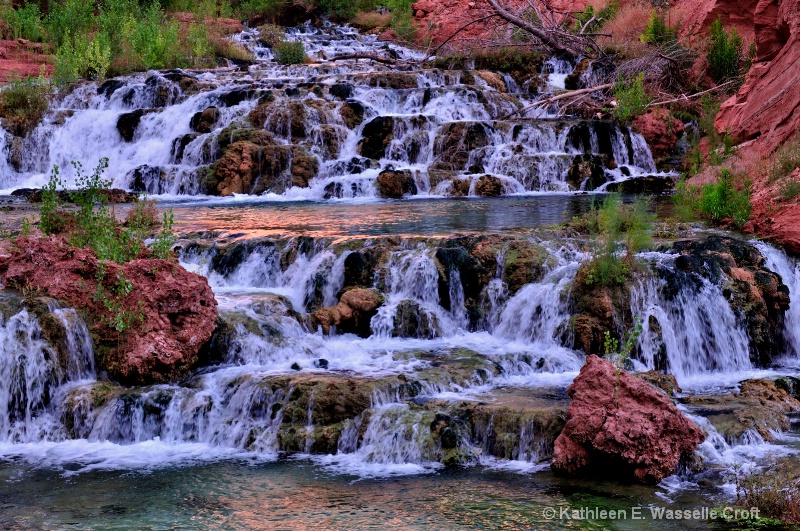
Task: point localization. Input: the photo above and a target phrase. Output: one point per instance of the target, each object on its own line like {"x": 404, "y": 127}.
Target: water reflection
{"x": 425, "y": 217}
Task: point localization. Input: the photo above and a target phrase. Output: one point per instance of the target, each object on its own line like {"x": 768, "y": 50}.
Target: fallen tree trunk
{"x": 558, "y": 97}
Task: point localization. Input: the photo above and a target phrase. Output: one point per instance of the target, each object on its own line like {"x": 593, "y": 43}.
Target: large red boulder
{"x": 148, "y": 317}
{"x": 622, "y": 425}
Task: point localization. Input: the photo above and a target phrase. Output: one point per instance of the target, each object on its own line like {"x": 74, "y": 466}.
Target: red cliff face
{"x": 767, "y": 107}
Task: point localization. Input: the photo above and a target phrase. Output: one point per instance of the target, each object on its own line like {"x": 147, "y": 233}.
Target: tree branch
{"x": 562, "y": 96}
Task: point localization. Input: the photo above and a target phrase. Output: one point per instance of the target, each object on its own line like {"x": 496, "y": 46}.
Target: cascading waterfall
{"x": 789, "y": 270}
{"x": 143, "y": 124}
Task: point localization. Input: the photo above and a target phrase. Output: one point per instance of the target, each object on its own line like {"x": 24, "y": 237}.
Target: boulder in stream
{"x": 621, "y": 427}
{"x": 148, "y": 318}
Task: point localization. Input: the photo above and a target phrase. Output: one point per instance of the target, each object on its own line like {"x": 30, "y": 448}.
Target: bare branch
{"x": 562, "y": 96}
{"x": 371, "y": 57}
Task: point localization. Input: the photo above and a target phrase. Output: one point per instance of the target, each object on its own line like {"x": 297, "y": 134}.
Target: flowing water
{"x": 246, "y": 434}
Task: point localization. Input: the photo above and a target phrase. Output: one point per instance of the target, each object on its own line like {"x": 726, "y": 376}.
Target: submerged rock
{"x": 148, "y": 332}
{"x": 621, "y": 426}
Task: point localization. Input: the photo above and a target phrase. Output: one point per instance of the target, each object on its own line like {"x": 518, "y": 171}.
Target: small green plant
{"x": 715, "y": 202}
{"x": 164, "y": 240}
{"x": 24, "y": 21}
{"x": 723, "y": 201}
{"x": 786, "y": 160}
{"x": 23, "y": 104}
{"x": 620, "y": 356}
{"x": 725, "y": 57}
{"x": 658, "y": 32}
{"x": 94, "y": 225}
{"x": 774, "y": 490}
{"x": 591, "y": 20}
{"x": 631, "y": 97}
{"x": 290, "y": 53}
{"x": 609, "y": 224}
{"x": 789, "y": 189}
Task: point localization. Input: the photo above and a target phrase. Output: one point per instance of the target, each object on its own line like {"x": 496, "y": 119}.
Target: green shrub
{"x": 658, "y": 32}
{"x": 720, "y": 201}
{"x": 609, "y": 224}
{"x": 632, "y": 98}
{"x": 24, "y": 22}
{"x": 23, "y": 104}
{"x": 68, "y": 18}
{"x": 93, "y": 224}
{"x": 402, "y": 21}
{"x": 269, "y": 9}
{"x": 199, "y": 45}
{"x": 79, "y": 57}
{"x": 290, "y": 53}
{"x": 724, "y": 52}
{"x": 789, "y": 189}
{"x": 786, "y": 160}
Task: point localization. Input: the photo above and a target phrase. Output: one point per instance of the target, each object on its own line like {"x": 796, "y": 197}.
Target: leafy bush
{"x": 658, "y": 32}
{"x": 93, "y": 225}
{"x": 724, "y": 52}
{"x": 786, "y": 160}
{"x": 402, "y": 21}
{"x": 290, "y": 53}
{"x": 23, "y": 104}
{"x": 68, "y": 18}
{"x": 714, "y": 202}
{"x": 632, "y": 98}
{"x": 24, "y": 22}
{"x": 789, "y": 189}
{"x": 775, "y": 491}
{"x": 723, "y": 201}
{"x": 609, "y": 224}
{"x": 600, "y": 17}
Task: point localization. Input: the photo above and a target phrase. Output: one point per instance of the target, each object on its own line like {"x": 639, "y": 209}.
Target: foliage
{"x": 23, "y": 103}
{"x": 722, "y": 201}
{"x": 68, "y": 18}
{"x": 658, "y": 32}
{"x": 584, "y": 20}
{"x": 775, "y": 491}
{"x": 270, "y": 34}
{"x": 786, "y": 160}
{"x": 724, "y": 52}
{"x": 94, "y": 225}
{"x": 631, "y": 97}
{"x": 789, "y": 189}
{"x": 715, "y": 202}
{"x": 402, "y": 21}
{"x": 609, "y": 224}
{"x": 290, "y": 53}
{"x": 24, "y": 22}
{"x": 620, "y": 356}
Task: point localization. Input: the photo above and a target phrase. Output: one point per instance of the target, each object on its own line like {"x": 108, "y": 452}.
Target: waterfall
{"x": 789, "y": 270}
{"x": 695, "y": 331}
{"x": 445, "y": 126}
{"x": 33, "y": 383}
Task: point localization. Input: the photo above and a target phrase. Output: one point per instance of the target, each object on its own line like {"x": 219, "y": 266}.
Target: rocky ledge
{"x": 148, "y": 317}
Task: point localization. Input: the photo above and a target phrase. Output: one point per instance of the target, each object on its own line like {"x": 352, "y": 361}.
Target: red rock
{"x": 698, "y": 15}
{"x": 177, "y": 308}
{"x": 767, "y": 107}
{"x": 622, "y": 425}
{"x": 660, "y": 129}
{"x": 21, "y": 60}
